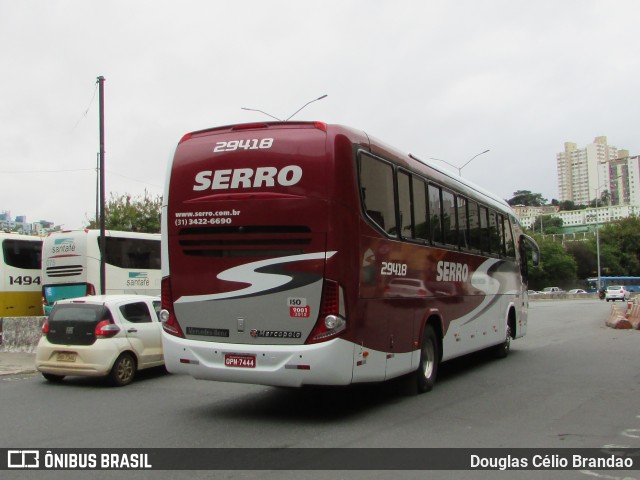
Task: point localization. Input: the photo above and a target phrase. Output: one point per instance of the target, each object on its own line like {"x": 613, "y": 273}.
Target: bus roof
{"x": 375, "y": 146}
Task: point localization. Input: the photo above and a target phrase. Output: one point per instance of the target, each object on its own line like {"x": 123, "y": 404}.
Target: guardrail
{"x": 20, "y": 334}
{"x": 562, "y": 296}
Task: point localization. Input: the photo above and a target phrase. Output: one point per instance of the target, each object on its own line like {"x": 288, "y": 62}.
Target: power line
{"x": 84, "y": 115}
{"x": 47, "y": 171}
{"x": 133, "y": 179}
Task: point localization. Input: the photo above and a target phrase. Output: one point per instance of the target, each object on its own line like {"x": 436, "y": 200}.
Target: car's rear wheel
{"x": 123, "y": 371}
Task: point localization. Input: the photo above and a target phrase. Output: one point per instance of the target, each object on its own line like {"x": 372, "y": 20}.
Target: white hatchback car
{"x": 616, "y": 292}
{"x": 104, "y": 335}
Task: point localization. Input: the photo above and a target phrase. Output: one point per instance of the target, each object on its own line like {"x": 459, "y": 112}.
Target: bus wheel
{"x": 123, "y": 371}
{"x": 502, "y": 350}
{"x": 53, "y": 378}
{"x": 428, "y": 368}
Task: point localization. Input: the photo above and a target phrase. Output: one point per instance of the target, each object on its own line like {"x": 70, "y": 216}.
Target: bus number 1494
{"x": 24, "y": 280}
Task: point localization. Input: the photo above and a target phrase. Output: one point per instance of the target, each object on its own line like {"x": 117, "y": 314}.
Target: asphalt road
{"x": 571, "y": 382}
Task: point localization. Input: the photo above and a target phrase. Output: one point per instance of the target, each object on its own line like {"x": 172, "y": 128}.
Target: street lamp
{"x": 598, "y": 231}
{"x": 459, "y": 168}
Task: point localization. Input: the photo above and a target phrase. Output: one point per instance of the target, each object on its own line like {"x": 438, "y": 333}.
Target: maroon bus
{"x": 301, "y": 253}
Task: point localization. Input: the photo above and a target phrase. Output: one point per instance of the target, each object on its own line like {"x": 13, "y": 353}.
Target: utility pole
{"x": 103, "y": 243}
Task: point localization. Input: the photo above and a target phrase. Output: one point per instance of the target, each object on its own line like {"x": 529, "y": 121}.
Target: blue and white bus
{"x": 630, "y": 283}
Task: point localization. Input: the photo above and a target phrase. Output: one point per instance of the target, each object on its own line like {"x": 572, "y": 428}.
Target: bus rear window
{"x": 22, "y": 254}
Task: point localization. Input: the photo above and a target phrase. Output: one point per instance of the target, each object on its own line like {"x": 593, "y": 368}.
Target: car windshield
{"x": 614, "y": 287}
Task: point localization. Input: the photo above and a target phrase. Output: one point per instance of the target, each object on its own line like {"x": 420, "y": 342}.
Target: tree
{"x": 525, "y": 197}
{"x": 547, "y": 225}
{"x": 557, "y": 267}
{"x": 584, "y": 253}
{"x": 132, "y": 214}
{"x": 568, "y": 205}
{"x": 622, "y": 239}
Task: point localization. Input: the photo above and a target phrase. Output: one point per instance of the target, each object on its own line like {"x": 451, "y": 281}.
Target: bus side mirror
{"x": 533, "y": 246}
{"x": 535, "y": 257}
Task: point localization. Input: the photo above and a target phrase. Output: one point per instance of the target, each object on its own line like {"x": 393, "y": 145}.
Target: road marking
{"x": 632, "y": 433}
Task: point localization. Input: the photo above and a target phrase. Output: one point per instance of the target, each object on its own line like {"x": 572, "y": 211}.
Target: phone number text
{"x": 183, "y": 222}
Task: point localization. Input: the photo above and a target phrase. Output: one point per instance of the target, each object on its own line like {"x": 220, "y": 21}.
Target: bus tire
{"x": 50, "y": 377}
{"x": 427, "y": 370}
{"x": 502, "y": 350}
{"x": 123, "y": 371}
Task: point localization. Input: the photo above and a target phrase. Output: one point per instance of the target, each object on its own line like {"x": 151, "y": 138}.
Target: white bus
{"x": 71, "y": 264}
{"x": 20, "y": 275}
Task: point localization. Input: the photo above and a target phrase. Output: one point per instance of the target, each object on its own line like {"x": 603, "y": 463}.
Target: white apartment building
{"x": 575, "y": 218}
{"x": 583, "y": 172}
{"x": 624, "y": 180}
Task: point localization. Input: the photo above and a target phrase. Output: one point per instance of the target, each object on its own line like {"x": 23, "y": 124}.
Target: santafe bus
{"x": 20, "y": 276}
{"x": 71, "y": 264}
{"x": 301, "y": 253}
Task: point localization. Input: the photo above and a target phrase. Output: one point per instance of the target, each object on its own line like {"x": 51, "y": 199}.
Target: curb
{"x": 17, "y": 363}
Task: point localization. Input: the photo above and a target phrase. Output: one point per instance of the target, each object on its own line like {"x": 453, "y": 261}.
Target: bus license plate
{"x": 66, "y": 357}
{"x": 240, "y": 361}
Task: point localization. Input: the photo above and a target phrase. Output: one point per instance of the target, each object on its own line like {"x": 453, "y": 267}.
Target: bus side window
{"x": 508, "y": 238}
{"x": 435, "y": 221}
{"x": 449, "y": 218}
{"x": 500, "y": 234}
{"x": 420, "y": 209}
{"x": 376, "y": 189}
{"x": 474, "y": 227}
{"x": 405, "y": 206}
{"x": 463, "y": 224}
{"x": 484, "y": 231}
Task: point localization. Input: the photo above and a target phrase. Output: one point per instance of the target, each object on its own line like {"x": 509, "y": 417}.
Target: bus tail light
{"x": 91, "y": 290}
{"x": 167, "y": 316}
{"x": 331, "y": 321}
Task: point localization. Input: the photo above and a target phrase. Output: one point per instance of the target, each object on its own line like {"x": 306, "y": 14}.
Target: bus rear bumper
{"x": 327, "y": 363}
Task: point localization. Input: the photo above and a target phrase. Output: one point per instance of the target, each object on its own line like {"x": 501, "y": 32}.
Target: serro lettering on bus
{"x": 452, "y": 272}
{"x": 247, "y": 178}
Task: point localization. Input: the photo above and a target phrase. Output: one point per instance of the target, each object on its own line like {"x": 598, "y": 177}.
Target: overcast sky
{"x": 444, "y": 79}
